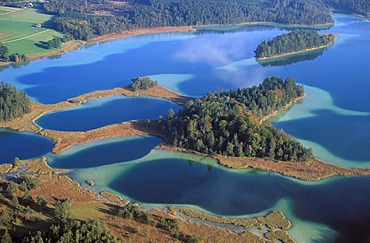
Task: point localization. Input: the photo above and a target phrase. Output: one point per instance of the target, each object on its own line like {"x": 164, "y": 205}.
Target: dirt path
{"x": 13, "y": 12}
{"x": 25, "y": 37}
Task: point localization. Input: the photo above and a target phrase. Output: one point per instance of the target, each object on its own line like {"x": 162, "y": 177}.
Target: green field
{"x": 19, "y": 33}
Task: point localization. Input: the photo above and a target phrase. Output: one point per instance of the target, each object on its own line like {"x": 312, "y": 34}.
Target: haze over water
{"x": 334, "y": 119}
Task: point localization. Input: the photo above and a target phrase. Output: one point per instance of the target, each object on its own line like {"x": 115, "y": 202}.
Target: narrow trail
{"x": 25, "y": 37}
{"x": 14, "y": 12}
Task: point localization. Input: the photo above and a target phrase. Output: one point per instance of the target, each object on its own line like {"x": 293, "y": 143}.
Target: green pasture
{"x": 19, "y": 33}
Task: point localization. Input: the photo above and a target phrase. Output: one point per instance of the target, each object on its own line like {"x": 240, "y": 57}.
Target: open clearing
{"x": 19, "y": 33}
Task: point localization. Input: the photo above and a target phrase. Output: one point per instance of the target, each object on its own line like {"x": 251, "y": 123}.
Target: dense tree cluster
{"x": 221, "y": 123}
{"x": 352, "y": 6}
{"x": 56, "y": 42}
{"x": 142, "y": 83}
{"x": 14, "y": 57}
{"x": 206, "y": 12}
{"x": 80, "y": 18}
{"x": 22, "y": 207}
{"x": 85, "y": 26}
{"x": 13, "y": 103}
{"x": 4, "y": 52}
{"x": 294, "y": 41}
{"x": 170, "y": 225}
{"x": 74, "y": 231}
{"x": 268, "y": 97}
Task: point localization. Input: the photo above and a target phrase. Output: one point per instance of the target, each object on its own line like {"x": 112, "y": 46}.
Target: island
{"x": 295, "y": 42}
{"x": 227, "y": 126}
{"x": 60, "y": 26}
{"x": 226, "y": 123}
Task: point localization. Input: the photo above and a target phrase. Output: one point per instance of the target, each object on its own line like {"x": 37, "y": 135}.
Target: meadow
{"x": 19, "y": 31}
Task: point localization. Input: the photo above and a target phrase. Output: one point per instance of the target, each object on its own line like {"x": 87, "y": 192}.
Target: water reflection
{"x": 288, "y": 60}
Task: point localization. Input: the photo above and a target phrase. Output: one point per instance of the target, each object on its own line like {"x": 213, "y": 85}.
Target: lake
{"x": 334, "y": 120}
{"x": 22, "y": 145}
{"x": 105, "y": 111}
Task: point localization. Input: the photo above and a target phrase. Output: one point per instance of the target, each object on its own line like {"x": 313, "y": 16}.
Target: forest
{"x": 14, "y": 57}
{"x": 295, "y": 41}
{"x": 13, "y": 102}
{"x": 222, "y": 123}
{"x": 82, "y": 20}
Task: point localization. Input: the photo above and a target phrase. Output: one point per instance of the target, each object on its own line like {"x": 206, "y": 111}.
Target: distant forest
{"x": 83, "y": 19}
{"x": 13, "y": 103}
{"x": 294, "y": 41}
{"x": 223, "y": 123}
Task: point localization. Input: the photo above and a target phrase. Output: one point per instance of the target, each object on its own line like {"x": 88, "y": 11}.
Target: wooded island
{"x": 226, "y": 123}
{"x": 292, "y": 43}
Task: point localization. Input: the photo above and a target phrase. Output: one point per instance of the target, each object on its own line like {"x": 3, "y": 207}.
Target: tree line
{"x": 222, "y": 123}
{"x": 294, "y": 41}
{"x": 268, "y": 97}
{"x": 14, "y": 57}
{"x": 79, "y": 18}
{"x": 13, "y": 102}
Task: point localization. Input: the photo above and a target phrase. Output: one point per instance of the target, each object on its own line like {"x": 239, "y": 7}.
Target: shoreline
{"x": 313, "y": 170}
{"x": 275, "y": 24}
{"x": 54, "y": 185}
{"x": 266, "y": 59}
{"x": 77, "y": 44}
{"x": 27, "y": 123}
{"x": 285, "y": 107}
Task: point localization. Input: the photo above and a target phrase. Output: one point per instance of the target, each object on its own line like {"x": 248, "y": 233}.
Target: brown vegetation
{"x": 117, "y": 199}
{"x": 313, "y": 170}
{"x": 276, "y": 225}
{"x": 157, "y": 91}
{"x": 65, "y": 140}
{"x": 27, "y": 121}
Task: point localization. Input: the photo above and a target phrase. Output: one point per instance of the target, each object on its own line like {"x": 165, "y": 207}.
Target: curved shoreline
{"x": 26, "y": 123}
{"x": 313, "y": 170}
{"x": 77, "y": 44}
{"x": 273, "y": 24}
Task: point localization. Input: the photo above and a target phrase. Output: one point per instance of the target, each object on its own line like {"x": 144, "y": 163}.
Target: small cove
{"x": 333, "y": 120}
{"x": 105, "y": 111}
{"x": 104, "y": 152}
{"x": 22, "y": 145}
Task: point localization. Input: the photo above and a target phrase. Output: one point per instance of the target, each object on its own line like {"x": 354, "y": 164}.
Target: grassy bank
{"x": 19, "y": 31}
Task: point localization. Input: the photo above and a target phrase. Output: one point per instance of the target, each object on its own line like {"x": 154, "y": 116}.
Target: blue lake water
{"x": 105, "y": 152}
{"x": 22, "y": 145}
{"x": 105, "y": 111}
{"x": 334, "y": 120}
{"x": 177, "y": 181}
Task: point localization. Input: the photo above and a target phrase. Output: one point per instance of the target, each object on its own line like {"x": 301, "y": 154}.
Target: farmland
{"x": 19, "y": 31}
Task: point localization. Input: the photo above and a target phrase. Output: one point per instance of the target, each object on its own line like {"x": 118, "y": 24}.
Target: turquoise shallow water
{"x": 333, "y": 120}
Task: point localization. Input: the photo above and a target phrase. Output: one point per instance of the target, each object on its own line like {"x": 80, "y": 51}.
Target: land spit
{"x": 313, "y": 170}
